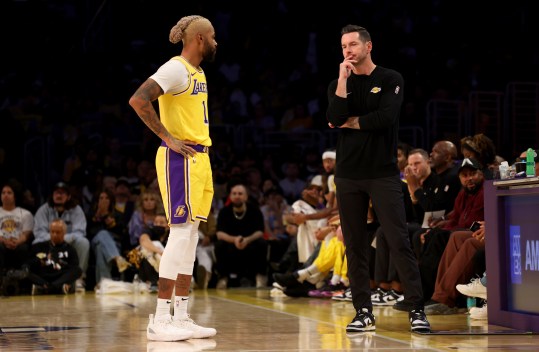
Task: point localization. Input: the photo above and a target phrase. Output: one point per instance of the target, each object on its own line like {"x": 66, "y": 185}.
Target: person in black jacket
{"x": 365, "y": 103}
{"x": 54, "y": 265}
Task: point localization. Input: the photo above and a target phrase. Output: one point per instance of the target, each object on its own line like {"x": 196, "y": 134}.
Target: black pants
{"x": 387, "y": 199}
{"x": 245, "y": 263}
{"x": 54, "y": 280}
{"x": 431, "y": 253}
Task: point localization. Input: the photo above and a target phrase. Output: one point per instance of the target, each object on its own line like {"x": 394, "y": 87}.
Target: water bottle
{"x": 530, "y": 162}
{"x": 470, "y": 302}
{"x": 504, "y": 170}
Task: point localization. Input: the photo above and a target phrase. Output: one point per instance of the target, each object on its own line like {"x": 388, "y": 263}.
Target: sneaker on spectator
{"x": 375, "y": 294}
{"x": 418, "y": 321}
{"x": 326, "y": 291}
{"x": 363, "y": 321}
{"x": 387, "y": 298}
{"x": 199, "y": 332}
{"x": 277, "y": 292}
{"x": 346, "y": 295}
{"x": 122, "y": 264}
{"x": 479, "y": 313}
{"x": 474, "y": 289}
{"x": 275, "y": 284}
{"x": 80, "y": 285}
{"x": 163, "y": 329}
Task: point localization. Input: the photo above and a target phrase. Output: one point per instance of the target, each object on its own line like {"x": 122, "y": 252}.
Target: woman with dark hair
{"x": 16, "y": 226}
{"x": 107, "y": 232}
{"x": 481, "y": 148}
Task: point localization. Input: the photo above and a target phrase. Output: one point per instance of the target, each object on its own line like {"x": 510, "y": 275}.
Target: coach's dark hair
{"x": 363, "y": 33}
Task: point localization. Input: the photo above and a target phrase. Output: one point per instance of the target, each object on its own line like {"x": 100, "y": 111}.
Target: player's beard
{"x": 209, "y": 53}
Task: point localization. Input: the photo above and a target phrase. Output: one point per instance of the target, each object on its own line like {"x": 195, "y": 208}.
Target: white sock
{"x": 335, "y": 279}
{"x": 180, "y": 307}
{"x": 307, "y": 273}
{"x": 163, "y": 307}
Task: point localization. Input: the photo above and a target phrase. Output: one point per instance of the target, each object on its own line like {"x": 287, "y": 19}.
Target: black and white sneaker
{"x": 418, "y": 321}
{"x": 386, "y": 298}
{"x": 346, "y": 295}
{"x": 363, "y": 321}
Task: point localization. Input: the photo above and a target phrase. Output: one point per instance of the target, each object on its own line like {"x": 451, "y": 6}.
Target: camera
{"x": 475, "y": 226}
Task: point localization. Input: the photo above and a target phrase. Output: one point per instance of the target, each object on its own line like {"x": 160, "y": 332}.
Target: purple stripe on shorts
{"x": 178, "y": 181}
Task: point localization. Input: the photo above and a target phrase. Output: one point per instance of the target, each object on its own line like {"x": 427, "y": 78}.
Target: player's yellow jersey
{"x": 185, "y": 114}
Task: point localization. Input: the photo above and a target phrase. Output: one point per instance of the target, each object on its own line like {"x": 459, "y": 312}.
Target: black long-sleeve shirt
{"x": 371, "y": 151}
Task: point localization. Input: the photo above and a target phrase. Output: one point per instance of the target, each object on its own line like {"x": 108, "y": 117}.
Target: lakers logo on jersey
{"x": 199, "y": 87}
{"x": 180, "y": 211}
{"x": 8, "y": 226}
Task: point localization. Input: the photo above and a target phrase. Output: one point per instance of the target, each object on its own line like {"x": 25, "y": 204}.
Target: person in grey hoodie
{"x": 60, "y": 205}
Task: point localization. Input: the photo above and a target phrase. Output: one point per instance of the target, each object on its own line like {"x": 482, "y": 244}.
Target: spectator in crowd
{"x": 16, "y": 226}
{"x": 124, "y": 204}
{"x": 147, "y": 255}
{"x": 429, "y": 196}
{"x": 443, "y": 161}
{"x": 327, "y": 178}
{"x": 61, "y": 205}
{"x": 240, "y": 249}
{"x": 327, "y": 271}
{"x": 456, "y": 267}
{"x": 148, "y": 205}
{"x": 108, "y": 236}
{"x": 308, "y": 214}
{"x": 481, "y": 148}
{"x": 274, "y": 209}
{"x": 54, "y": 265}
{"x": 469, "y": 207}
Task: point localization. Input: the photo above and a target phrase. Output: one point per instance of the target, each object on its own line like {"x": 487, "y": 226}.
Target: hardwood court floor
{"x": 245, "y": 319}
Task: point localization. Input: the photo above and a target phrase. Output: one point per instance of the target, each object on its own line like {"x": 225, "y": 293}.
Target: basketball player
{"x": 183, "y": 169}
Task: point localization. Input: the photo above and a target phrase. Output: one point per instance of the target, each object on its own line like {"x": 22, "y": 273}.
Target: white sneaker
{"x": 199, "y": 332}
{"x": 163, "y": 329}
{"x": 479, "y": 313}
{"x": 80, "y": 285}
{"x": 474, "y": 289}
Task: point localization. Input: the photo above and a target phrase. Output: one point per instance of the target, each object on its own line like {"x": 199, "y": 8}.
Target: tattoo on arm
{"x": 148, "y": 92}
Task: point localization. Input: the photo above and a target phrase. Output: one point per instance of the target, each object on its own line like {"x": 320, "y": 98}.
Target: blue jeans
{"x": 105, "y": 250}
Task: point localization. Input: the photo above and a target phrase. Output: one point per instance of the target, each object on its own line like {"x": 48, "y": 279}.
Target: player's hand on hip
{"x": 182, "y": 147}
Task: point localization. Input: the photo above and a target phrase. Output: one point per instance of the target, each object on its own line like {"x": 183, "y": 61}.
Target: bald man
{"x": 442, "y": 160}
{"x": 183, "y": 168}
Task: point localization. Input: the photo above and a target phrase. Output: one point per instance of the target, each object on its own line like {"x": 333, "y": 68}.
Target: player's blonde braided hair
{"x": 177, "y": 32}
